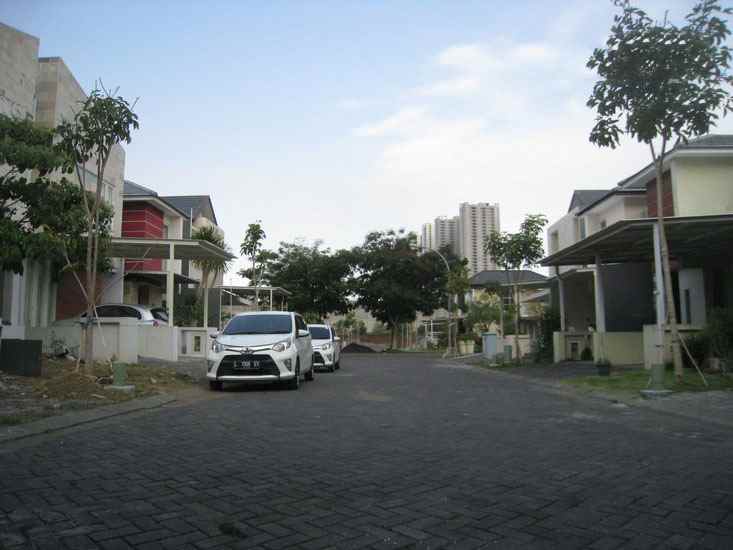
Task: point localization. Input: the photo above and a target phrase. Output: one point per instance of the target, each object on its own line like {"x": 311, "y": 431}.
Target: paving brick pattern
{"x": 389, "y": 452}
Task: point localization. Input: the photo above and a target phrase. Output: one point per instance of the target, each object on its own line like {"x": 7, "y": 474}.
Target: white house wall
{"x": 702, "y": 186}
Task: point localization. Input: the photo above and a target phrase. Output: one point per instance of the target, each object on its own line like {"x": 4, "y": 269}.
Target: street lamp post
{"x": 447, "y": 268}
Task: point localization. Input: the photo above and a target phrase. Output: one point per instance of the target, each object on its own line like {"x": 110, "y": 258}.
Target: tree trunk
{"x": 516, "y": 320}
{"x": 91, "y": 289}
{"x": 671, "y": 310}
{"x": 392, "y": 335}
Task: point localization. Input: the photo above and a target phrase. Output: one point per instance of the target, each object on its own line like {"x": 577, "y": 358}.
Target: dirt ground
{"x": 62, "y": 388}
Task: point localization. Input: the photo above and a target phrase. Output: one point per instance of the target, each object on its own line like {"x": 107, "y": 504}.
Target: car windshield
{"x": 320, "y": 333}
{"x": 260, "y": 324}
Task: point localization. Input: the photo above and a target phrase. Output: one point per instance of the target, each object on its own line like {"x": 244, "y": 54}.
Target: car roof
{"x": 246, "y": 313}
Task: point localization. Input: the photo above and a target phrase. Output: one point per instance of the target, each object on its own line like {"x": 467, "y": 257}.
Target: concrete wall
{"x": 18, "y": 72}
{"x": 193, "y": 341}
{"x": 702, "y": 186}
{"x": 158, "y": 342}
{"x": 561, "y": 234}
{"x": 620, "y": 348}
{"x": 614, "y": 209}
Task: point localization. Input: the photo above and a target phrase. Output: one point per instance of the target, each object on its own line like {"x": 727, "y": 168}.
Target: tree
{"x": 103, "y": 122}
{"x": 211, "y": 267}
{"x": 513, "y": 251}
{"x": 250, "y": 248}
{"x": 393, "y": 282}
{"x": 662, "y": 83}
{"x": 484, "y": 310}
{"x": 260, "y": 270}
{"x": 41, "y": 219}
{"x": 317, "y": 278}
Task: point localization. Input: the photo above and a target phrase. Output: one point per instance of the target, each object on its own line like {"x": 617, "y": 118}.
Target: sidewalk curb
{"x": 559, "y": 388}
{"x": 64, "y": 421}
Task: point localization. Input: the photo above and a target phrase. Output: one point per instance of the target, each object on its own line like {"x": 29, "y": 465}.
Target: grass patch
{"x": 632, "y": 381}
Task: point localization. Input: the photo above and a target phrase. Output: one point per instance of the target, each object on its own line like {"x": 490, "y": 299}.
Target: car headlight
{"x": 217, "y": 347}
{"x": 326, "y": 347}
{"x": 281, "y": 346}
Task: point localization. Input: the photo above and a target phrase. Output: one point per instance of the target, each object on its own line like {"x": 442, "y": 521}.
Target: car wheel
{"x": 330, "y": 368}
{"x": 311, "y": 374}
{"x": 294, "y": 384}
{"x": 215, "y": 385}
{"x": 338, "y": 363}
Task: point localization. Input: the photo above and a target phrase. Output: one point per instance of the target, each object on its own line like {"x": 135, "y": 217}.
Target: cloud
{"x": 451, "y": 88}
{"x": 401, "y": 122}
{"x": 508, "y": 125}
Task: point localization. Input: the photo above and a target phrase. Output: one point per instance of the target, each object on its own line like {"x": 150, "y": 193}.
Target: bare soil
{"x": 62, "y": 388}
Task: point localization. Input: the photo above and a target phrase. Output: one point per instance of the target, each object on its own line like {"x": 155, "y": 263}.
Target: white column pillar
{"x": 599, "y": 296}
{"x": 561, "y": 299}
{"x": 170, "y": 282}
{"x": 661, "y": 304}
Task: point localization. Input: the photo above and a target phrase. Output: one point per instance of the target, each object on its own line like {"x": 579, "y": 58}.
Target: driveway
{"x": 392, "y": 451}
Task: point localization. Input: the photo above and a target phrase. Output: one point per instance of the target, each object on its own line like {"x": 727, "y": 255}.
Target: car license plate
{"x": 247, "y": 364}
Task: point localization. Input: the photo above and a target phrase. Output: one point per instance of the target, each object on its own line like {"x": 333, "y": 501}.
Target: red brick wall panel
{"x": 667, "y": 197}
{"x": 142, "y": 221}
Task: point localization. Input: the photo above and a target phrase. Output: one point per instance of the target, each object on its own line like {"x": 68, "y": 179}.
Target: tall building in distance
{"x": 464, "y": 233}
{"x": 425, "y": 239}
{"x": 445, "y": 233}
{"x": 475, "y": 223}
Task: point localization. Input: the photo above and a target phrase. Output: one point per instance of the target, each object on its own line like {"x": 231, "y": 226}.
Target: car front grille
{"x": 317, "y": 357}
{"x": 232, "y": 365}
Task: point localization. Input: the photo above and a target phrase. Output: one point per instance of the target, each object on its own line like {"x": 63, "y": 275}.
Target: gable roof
{"x": 501, "y": 277}
{"x": 132, "y": 188}
{"x": 194, "y": 205}
{"x": 584, "y": 197}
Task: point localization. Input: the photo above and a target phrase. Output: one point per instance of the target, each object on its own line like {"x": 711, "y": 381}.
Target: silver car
{"x": 153, "y": 317}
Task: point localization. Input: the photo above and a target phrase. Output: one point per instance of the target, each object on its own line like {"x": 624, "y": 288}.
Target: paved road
{"x": 394, "y": 451}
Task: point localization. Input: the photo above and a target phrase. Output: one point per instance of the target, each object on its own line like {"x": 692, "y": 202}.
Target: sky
{"x": 329, "y": 119}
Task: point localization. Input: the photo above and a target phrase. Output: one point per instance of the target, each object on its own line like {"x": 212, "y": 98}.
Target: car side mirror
{"x": 214, "y": 335}
{"x": 303, "y": 333}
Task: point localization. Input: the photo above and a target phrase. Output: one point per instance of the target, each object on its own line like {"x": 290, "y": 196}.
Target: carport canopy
{"x": 168, "y": 249}
{"x": 629, "y": 241}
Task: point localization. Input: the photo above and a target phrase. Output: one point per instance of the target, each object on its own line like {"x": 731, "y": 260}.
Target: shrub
{"x": 586, "y": 355}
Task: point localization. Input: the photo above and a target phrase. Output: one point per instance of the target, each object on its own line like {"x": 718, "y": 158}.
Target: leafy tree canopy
{"x": 40, "y": 218}
{"x": 317, "y": 278}
{"x": 660, "y": 80}
{"x": 393, "y": 282}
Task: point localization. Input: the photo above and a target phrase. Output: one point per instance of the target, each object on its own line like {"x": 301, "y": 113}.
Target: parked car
{"x": 145, "y": 316}
{"x": 261, "y": 346}
{"x": 326, "y": 347}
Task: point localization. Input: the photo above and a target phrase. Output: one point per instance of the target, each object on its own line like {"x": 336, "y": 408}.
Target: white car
{"x": 261, "y": 346}
{"x": 145, "y": 316}
{"x": 326, "y": 347}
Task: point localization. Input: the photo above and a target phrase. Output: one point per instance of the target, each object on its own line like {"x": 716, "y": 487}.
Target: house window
{"x": 197, "y": 344}
{"x": 581, "y": 228}
{"x": 603, "y": 224}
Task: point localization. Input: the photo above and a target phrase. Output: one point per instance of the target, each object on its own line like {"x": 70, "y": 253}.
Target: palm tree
{"x": 210, "y": 268}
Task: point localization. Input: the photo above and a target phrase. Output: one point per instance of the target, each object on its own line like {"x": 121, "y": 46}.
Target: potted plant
{"x": 604, "y": 367}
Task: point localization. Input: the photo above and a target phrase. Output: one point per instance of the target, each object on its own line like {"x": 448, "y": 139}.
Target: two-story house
{"x": 603, "y": 252}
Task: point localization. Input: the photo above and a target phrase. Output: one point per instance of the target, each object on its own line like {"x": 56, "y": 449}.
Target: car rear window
{"x": 320, "y": 333}
{"x": 260, "y": 324}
